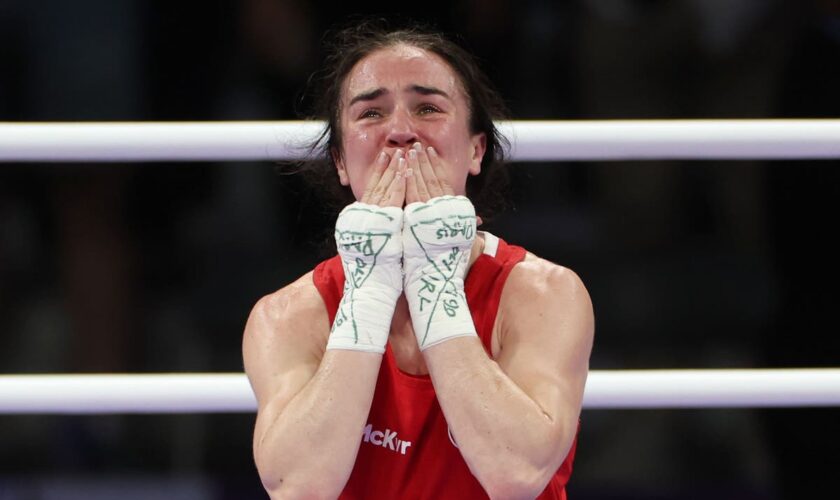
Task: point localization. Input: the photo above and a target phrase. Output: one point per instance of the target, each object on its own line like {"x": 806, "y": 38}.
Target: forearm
{"x": 306, "y": 445}
{"x": 310, "y": 447}
{"x": 502, "y": 433}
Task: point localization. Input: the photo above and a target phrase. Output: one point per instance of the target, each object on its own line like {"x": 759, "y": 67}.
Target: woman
{"x": 449, "y": 364}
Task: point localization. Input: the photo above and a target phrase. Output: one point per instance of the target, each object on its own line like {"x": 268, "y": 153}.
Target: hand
{"x": 368, "y": 234}
{"x": 386, "y": 186}
{"x": 437, "y": 240}
{"x": 425, "y": 175}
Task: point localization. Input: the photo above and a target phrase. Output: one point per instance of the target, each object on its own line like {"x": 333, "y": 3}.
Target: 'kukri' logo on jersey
{"x": 387, "y": 439}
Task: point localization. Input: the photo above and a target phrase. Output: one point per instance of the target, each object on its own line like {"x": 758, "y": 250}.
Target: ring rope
{"x": 231, "y": 393}
{"x": 530, "y": 140}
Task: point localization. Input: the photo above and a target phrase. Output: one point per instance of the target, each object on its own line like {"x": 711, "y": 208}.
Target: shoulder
{"x": 535, "y": 278}
{"x": 538, "y": 291}
{"x": 296, "y": 301}
{"x": 286, "y": 333}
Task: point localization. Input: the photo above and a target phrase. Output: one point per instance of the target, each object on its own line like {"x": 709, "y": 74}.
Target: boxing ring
{"x": 530, "y": 141}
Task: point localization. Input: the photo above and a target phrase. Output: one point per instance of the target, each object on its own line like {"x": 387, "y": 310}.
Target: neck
{"x": 477, "y": 249}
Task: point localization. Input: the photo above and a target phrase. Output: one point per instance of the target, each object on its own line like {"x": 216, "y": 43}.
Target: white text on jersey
{"x": 387, "y": 439}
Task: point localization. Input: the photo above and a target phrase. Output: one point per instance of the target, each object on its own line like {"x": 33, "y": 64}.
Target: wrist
{"x": 437, "y": 240}
{"x": 369, "y": 243}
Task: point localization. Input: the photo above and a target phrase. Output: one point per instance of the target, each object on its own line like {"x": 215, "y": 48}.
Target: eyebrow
{"x": 368, "y": 96}
{"x": 376, "y": 93}
{"x": 420, "y": 89}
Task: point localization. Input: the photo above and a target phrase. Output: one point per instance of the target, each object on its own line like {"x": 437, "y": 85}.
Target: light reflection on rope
{"x": 230, "y": 392}
{"x": 530, "y": 140}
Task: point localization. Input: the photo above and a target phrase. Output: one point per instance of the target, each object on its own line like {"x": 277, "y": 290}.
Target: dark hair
{"x": 348, "y": 46}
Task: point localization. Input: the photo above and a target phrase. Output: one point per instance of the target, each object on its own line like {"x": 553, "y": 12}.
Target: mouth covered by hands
{"x": 423, "y": 249}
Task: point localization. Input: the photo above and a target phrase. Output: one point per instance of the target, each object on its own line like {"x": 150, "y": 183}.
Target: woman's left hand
{"x": 425, "y": 175}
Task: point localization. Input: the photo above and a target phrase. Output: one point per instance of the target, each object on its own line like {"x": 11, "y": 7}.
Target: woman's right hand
{"x": 368, "y": 236}
{"x": 386, "y": 186}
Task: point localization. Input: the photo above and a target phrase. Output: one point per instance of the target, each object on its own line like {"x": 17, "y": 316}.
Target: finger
{"x": 419, "y": 179}
{"x": 439, "y": 168}
{"x": 384, "y": 184}
{"x": 379, "y": 168}
{"x": 429, "y": 175}
{"x": 411, "y": 194}
{"x": 376, "y": 194}
{"x": 396, "y": 191}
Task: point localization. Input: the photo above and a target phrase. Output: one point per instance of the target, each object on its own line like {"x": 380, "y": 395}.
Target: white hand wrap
{"x": 369, "y": 243}
{"x": 437, "y": 240}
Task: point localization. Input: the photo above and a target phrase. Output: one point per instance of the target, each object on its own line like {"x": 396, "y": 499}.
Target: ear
{"x": 479, "y": 145}
{"x": 343, "y": 178}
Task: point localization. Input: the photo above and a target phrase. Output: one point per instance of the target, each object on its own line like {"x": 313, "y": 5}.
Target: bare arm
{"x": 313, "y": 402}
{"x": 312, "y": 405}
{"x": 515, "y": 418}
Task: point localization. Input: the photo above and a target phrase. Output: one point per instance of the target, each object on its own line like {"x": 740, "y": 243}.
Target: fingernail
{"x": 417, "y": 146}
{"x": 383, "y": 158}
{"x": 412, "y": 154}
{"x": 431, "y": 150}
{"x": 401, "y": 163}
{"x": 399, "y": 153}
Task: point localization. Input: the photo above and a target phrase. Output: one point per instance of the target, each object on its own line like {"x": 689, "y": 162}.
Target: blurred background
{"x": 154, "y": 267}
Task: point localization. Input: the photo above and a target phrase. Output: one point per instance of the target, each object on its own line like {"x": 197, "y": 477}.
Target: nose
{"x": 401, "y": 133}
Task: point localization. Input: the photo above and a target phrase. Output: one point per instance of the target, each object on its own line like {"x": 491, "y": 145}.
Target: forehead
{"x": 394, "y": 68}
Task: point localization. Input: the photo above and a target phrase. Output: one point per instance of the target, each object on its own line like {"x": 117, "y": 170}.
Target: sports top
{"x": 407, "y": 450}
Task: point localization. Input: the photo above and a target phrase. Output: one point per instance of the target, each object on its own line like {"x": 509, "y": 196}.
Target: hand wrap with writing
{"x": 369, "y": 243}
{"x": 437, "y": 240}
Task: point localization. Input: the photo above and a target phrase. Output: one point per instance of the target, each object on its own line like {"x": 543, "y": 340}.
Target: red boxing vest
{"x": 406, "y": 450}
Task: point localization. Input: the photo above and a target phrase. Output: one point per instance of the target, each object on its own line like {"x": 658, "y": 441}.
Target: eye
{"x": 370, "y": 113}
{"x": 428, "y": 108}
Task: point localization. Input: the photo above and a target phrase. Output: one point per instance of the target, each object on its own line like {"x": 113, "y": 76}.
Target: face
{"x": 395, "y": 97}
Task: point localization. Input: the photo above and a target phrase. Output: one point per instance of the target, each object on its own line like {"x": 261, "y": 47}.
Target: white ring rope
{"x": 530, "y": 140}
{"x": 230, "y": 392}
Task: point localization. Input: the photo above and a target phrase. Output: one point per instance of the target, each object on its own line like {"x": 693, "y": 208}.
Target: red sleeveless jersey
{"x": 406, "y": 450}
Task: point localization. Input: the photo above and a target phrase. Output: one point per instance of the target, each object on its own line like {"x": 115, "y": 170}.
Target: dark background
{"x": 154, "y": 267}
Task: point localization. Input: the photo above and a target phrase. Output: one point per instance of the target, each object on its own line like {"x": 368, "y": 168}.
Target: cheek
{"x": 357, "y": 142}
{"x": 358, "y": 179}
{"x": 359, "y": 150}
{"x": 455, "y": 149}
{"x": 361, "y": 139}
{"x": 458, "y": 176}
